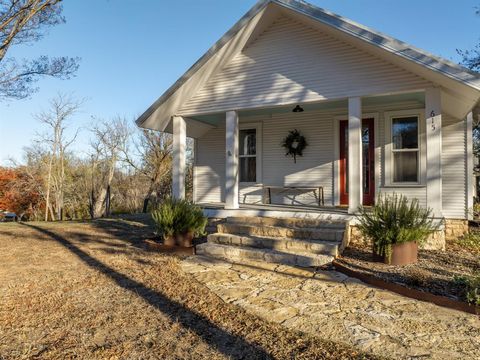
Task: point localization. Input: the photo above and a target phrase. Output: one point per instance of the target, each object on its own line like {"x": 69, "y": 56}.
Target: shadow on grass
{"x": 220, "y": 339}
{"x": 133, "y": 229}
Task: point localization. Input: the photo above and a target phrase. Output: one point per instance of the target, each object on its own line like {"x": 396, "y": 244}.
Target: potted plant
{"x": 396, "y": 226}
{"x": 178, "y": 222}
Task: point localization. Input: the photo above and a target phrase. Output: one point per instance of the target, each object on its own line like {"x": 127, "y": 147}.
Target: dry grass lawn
{"x": 90, "y": 290}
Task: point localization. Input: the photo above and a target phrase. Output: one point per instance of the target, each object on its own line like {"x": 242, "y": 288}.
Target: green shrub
{"x": 178, "y": 217}
{"x": 470, "y": 241}
{"x": 472, "y": 287}
{"x": 395, "y": 220}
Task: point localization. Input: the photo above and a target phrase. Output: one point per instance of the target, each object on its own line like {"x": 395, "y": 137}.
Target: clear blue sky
{"x": 134, "y": 50}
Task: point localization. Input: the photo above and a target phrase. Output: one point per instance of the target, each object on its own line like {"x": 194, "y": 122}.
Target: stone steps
{"x": 295, "y": 242}
{"x": 280, "y": 244}
{"x": 325, "y": 234}
{"x": 238, "y": 255}
{"x": 288, "y": 222}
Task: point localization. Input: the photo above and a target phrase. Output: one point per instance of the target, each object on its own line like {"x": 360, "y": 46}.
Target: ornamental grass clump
{"x": 395, "y": 220}
{"x": 179, "y": 220}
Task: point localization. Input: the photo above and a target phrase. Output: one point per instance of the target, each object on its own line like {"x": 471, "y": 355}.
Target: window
{"x": 248, "y": 155}
{"x": 405, "y": 149}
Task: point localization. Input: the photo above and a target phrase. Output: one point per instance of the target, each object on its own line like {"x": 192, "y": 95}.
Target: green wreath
{"x": 295, "y": 143}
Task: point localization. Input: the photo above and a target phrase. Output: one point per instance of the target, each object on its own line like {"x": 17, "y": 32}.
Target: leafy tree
{"x": 24, "y": 22}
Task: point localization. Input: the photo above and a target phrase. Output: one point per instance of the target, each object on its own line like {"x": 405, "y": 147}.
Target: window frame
{"x": 390, "y": 151}
{"x": 258, "y": 155}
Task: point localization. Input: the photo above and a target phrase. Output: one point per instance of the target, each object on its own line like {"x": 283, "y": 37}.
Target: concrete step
{"x": 280, "y": 244}
{"x": 237, "y": 254}
{"x": 324, "y": 234}
{"x": 288, "y": 222}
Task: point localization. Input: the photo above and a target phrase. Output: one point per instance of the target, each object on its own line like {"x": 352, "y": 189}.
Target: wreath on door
{"x": 294, "y": 143}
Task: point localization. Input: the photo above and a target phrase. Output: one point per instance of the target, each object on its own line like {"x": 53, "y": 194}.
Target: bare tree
{"x": 471, "y": 58}
{"x": 110, "y": 137}
{"x": 62, "y": 108}
{"x": 154, "y": 159}
{"x": 24, "y": 22}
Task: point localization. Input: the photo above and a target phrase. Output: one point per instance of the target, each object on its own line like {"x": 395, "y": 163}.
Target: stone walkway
{"x": 336, "y": 307}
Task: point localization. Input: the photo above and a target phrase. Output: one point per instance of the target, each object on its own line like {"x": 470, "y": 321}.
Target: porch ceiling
{"x": 215, "y": 119}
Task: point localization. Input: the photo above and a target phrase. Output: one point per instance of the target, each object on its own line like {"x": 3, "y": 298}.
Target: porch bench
{"x": 283, "y": 189}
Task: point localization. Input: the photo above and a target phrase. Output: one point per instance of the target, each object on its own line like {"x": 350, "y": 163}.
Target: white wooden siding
{"x": 419, "y": 193}
{"x": 311, "y": 170}
{"x": 291, "y": 62}
{"x": 316, "y": 167}
{"x": 453, "y": 168}
{"x": 209, "y": 174}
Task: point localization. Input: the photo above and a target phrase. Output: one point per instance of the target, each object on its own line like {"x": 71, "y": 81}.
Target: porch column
{"x": 355, "y": 188}
{"x": 469, "y": 168}
{"x": 433, "y": 129}
{"x": 179, "y": 147}
{"x": 231, "y": 160}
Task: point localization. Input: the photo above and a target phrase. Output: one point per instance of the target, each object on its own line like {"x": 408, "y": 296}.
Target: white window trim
{"x": 420, "y": 114}
{"x": 258, "y": 127}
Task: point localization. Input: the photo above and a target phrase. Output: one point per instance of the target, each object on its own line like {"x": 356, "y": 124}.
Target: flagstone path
{"x": 336, "y": 307}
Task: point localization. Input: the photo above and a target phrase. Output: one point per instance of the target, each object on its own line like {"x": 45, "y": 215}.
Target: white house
{"x": 379, "y": 116}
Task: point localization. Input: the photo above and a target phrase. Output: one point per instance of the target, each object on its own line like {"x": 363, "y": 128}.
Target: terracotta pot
{"x": 169, "y": 240}
{"x": 404, "y": 254}
{"x": 185, "y": 240}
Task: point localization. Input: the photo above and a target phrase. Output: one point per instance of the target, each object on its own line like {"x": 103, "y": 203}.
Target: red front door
{"x": 368, "y": 168}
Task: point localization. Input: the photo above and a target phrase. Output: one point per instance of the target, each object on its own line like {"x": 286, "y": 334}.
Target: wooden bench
{"x": 283, "y": 189}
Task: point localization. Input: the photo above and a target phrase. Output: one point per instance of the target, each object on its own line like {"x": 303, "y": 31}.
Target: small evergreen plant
{"x": 395, "y": 220}
{"x": 177, "y": 217}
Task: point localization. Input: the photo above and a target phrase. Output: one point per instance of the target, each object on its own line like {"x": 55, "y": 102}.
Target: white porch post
{"x": 355, "y": 182}
{"x": 179, "y": 147}
{"x": 469, "y": 168}
{"x": 231, "y": 160}
{"x": 433, "y": 116}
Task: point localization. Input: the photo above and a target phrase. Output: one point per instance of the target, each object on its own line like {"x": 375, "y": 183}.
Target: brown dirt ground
{"x": 434, "y": 272}
{"x": 91, "y": 290}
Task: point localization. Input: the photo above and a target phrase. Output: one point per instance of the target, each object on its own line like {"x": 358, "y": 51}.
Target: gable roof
{"x": 393, "y": 46}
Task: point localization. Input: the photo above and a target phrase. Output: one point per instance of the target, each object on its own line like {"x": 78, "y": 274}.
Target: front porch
{"x": 357, "y": 149}
{"x": 284, "y": 68}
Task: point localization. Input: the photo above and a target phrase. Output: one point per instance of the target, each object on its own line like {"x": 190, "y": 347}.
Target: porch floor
{"x": 217, "y": 210}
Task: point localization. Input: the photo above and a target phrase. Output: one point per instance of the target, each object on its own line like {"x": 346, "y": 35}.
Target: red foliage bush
{"x": 18, "y": 192}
